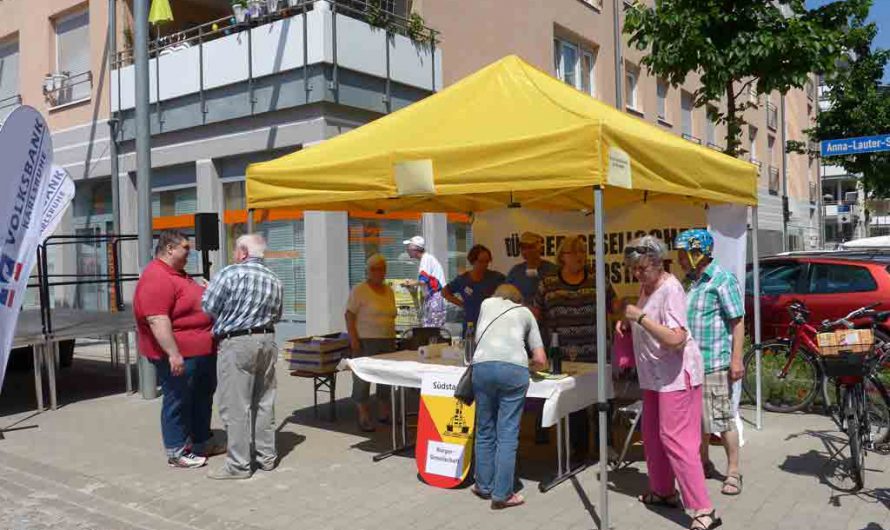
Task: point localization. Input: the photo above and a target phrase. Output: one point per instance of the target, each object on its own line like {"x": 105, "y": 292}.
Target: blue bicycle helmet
{"x": 695, "y": 239}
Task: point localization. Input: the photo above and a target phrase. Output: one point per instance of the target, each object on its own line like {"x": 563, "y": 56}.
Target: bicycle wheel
{"x": 878, "y": 406}
{"x": 852, "y": 409}
{"x": 783, "y": 391}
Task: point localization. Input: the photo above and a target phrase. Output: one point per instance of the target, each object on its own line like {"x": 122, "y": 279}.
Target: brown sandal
{"x": 699, "y": 524}
{"x": 514, "y": 500}
{"x": 734, "y": 482}
{"x": 654, "y": 499}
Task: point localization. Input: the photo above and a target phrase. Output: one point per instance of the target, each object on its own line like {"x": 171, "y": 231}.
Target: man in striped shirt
{"x": 245, "y": 302}
{"x": 715, "y": 312}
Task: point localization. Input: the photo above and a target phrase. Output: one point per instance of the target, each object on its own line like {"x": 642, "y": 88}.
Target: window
{"x": 770, "y": 147}
{"x": 567, "y": 63}
{"x": 285, "y": 243}
{"x": 172, "y": 202}
{"x": 575, "y": 65}
{"x": 9, "y": 77}
{"x": 588, "y": 68}
{"x": 827, "y": 278}
{"x": 776, "y": 278}
{"x": 631, "y": 88}
{"x": 662, "y": 89}
{"x": 369, "y": 236}
{"x": 73, "y": 57}
{"x": 686, "y": 104}
{"x": 752, "y": 141}
{"x": 711, "y": 132}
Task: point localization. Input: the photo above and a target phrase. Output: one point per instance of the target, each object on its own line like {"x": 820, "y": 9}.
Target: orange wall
{"x": 33, "y": 20}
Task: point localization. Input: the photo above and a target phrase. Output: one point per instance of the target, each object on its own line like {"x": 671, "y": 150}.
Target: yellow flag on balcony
{"x": 160, "y": 12}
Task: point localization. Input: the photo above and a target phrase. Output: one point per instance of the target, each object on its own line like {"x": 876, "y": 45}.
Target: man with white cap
{"x": 526, "y": 275}
{"x": 430, "y": 279}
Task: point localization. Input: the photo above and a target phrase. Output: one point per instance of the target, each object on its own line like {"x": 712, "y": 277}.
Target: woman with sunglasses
{"x": 669, "y": 366}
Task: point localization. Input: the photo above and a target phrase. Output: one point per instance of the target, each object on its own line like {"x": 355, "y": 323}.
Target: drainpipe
{"x": 785, "y": 208}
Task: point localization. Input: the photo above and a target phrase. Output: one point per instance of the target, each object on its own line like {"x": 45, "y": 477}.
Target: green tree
{"x": 857, "y": 106}
{"x": 774, "y": 45}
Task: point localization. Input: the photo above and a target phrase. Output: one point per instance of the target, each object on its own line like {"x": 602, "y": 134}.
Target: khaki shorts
{"x": 717, "y": 415}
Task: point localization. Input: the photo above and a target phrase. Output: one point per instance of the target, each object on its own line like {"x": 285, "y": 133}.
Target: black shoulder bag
{"x": 464, "y": 390}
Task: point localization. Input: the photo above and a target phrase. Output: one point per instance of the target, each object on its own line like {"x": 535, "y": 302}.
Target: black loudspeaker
{"x": 206, "y": 231}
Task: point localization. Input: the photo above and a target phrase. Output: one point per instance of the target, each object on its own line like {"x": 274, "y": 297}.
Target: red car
{"x": 830, "y": 284}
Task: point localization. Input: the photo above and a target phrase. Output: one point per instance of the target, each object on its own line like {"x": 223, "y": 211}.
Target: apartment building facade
{"x": 574, "y": 40}
{"x": 225, "y": 94}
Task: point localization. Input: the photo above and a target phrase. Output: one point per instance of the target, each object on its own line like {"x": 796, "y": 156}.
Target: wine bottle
{"x": 555, "y": 355}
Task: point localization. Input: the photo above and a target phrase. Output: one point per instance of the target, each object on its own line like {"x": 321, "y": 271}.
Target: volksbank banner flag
{"x": 26, "y": 151}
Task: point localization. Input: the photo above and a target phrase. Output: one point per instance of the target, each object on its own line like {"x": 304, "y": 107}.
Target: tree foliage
{"x": 774, "y": 45}
{"x": 857, "y": 106}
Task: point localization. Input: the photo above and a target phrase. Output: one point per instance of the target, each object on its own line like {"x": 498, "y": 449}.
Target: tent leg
{"x": 601, "y": 372}
{"x": 250, "y": 223}
{"x": 755, "y": 296}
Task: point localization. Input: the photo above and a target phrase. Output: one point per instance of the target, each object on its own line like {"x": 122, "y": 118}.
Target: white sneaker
{"x": 187, "y": 460}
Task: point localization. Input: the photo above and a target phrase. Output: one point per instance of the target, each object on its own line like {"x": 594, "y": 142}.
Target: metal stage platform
{"x": 71, "y": 324}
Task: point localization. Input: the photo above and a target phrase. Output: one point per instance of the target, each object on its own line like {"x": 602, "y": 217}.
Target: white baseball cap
{"x": 416, "y": 241}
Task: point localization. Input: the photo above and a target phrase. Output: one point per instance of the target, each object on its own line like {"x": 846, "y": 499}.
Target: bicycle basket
{"x": 845, "y": 341}
{"x": 846, "y": 365}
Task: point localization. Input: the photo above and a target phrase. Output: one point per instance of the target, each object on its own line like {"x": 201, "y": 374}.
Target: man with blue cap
{"x": 715, "y": 312}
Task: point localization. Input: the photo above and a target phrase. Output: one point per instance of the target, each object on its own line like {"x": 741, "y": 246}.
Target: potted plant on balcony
{"x": 239, "y": 9}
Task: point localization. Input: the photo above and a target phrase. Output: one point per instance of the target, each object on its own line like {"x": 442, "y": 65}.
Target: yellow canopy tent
{"x": 507, "y": 135}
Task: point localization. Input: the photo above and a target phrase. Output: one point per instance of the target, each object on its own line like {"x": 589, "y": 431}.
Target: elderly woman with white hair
{"x": 669, "y": 366}
{"x": 371, "y": 322}
{"x": 500, "y": 382}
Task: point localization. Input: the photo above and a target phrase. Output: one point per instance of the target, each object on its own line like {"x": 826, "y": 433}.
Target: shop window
{"x": 285, "y": 240}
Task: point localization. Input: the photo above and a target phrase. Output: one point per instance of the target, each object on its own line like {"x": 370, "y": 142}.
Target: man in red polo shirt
{"x": 176, "y": 336}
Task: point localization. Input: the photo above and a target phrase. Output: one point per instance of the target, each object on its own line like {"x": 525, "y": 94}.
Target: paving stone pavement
{"x": 97, "y": 463}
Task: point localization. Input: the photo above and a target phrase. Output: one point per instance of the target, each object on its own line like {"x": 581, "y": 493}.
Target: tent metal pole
{"x": 755, "y": 296}
{"x": 601, "y": 372}
{"x": 250, "y": 223}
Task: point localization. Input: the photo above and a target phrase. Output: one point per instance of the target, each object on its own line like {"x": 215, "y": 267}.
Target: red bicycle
{"x": 793, "y": 374}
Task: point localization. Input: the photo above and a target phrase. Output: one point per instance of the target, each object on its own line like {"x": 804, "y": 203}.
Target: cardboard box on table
{"x": 316, "y": 354}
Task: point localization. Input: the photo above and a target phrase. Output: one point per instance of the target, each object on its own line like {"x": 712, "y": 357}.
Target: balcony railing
{"x": 373, "y": 14}
{"x": 302, "y": 54}
{"x": 692, "y": 138}
{"x": 773, "y": 180}
{"x": 11, "y": 101}
{"x": 715, "y": 147}
{"x": 772, "y": 116}
{"x": 64, "y": 88}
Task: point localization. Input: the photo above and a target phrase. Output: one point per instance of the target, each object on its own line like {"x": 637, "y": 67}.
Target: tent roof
{"x": 508, "y": 134}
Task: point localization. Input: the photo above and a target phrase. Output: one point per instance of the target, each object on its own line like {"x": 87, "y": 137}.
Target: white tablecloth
{"x": 562, "y": 396}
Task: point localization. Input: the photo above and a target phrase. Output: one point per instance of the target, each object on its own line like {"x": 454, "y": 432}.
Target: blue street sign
{"x": 855, "y": 146}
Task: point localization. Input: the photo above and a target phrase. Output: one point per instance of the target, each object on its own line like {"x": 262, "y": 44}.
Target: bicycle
{"x": 792, "y": 375}
{"x": 853, "y": 414}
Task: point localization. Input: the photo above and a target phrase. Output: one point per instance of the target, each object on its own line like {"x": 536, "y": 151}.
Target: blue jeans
{"x": 500, "y": 390}
{"x": 187, "y": 405}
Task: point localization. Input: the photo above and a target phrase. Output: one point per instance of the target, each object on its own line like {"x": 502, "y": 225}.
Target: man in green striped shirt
{"x": 715, "y": 312}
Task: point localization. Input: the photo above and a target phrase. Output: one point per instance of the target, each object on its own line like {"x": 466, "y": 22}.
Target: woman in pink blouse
{"x": 669, "y": 366}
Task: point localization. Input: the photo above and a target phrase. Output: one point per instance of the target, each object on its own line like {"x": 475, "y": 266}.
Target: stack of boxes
{"x": 316, "y": 355}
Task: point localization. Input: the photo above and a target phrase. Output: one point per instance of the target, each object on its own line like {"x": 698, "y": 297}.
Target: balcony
{"x": 773, "y": 180}
{"x": 8, "y": 104}
{"x": 313, "y": 52}
{"x": 691, "y": 138}
{"x": 772, "y": 116}
{"x": 63, "y": 88}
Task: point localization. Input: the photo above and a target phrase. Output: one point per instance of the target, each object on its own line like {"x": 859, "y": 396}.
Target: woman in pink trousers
{"x": 669, "y": 366}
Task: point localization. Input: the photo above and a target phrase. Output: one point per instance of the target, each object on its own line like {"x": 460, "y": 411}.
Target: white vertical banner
{"x": 728, "y": 224}
{"x": 26, "y": 151}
